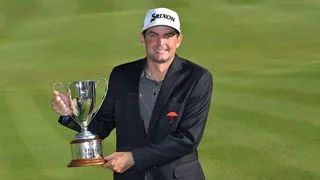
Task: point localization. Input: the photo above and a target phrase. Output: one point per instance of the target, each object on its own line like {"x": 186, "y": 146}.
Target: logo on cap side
{"x": 159, "y": 16}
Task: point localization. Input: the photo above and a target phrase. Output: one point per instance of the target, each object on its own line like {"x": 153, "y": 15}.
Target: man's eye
{"x": 169, "y": 35}
{"x": 152, "y": 35}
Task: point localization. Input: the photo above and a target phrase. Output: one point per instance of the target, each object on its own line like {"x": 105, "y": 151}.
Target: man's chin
{"x": 161, "y": 60}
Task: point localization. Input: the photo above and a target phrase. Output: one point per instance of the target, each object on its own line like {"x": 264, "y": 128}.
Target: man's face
{"x": 161, "y": 43}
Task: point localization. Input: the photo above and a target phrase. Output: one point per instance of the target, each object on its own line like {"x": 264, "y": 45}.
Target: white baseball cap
{"x": 161, "y": 17}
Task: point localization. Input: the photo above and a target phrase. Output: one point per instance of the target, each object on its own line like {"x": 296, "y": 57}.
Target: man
{"x": 158, "y": 105}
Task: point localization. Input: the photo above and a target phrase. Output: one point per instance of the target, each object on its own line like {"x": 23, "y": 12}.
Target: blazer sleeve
{"x": 103, "y": 122}
{"x": 188, "y": 134}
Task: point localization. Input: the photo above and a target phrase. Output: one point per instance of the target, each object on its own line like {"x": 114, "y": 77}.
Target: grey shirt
{"x": 148, "y": 91}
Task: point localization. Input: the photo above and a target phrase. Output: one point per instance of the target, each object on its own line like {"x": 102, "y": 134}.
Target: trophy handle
{"x": 104, "y": 95}
{"x": 56, "y": 84}
{"x": 63, "y": 85}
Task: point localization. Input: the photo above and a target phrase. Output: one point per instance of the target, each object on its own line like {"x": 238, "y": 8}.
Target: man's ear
{"x": 142, "y": 39}
{"x": 180, "y": 38}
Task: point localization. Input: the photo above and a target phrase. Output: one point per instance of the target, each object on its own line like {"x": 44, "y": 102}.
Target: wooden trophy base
{"x": 86, "y": 162}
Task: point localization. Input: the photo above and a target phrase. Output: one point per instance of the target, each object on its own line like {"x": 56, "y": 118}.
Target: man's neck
{"x": 157, "y": 70}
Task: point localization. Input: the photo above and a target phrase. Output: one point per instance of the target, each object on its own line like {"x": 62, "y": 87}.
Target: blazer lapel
{"x": 136, "y": 75}
{"x": 173, "y": 75}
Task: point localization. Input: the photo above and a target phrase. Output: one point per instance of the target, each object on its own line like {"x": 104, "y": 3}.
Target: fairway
{"x": 264, "y": 122}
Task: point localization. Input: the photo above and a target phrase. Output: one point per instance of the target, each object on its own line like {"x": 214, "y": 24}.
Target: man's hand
{"x": 61, "y": 104}
{"x": 119, "y": 162}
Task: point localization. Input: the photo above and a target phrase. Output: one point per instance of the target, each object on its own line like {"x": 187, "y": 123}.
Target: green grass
{"x": 264, "y": 122}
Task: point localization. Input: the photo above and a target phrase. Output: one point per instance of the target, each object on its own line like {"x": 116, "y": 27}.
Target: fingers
{"x": 115, "y": 165}
{"x": 59, "y": 105}
{"x": 119, "y": 161}
{"x": 110, "y": 162}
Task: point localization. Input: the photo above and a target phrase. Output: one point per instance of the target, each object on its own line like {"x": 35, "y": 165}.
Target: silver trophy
{"x": 86, "y": 148}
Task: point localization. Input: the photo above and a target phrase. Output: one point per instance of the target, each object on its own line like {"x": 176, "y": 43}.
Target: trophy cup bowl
{"x": 86, "y": 147}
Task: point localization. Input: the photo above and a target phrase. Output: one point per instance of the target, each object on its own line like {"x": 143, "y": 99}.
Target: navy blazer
{"x": 168, "y": 150}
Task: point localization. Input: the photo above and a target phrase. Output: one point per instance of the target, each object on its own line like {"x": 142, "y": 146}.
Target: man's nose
{"x": 161, "y": 41}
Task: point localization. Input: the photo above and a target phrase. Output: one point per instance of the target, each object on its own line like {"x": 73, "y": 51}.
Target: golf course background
{"x": 264, "y": 122}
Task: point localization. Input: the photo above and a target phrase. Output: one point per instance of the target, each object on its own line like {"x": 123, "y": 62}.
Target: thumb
{"x": 108, "y": 158}
{"x": 56, "y": 93}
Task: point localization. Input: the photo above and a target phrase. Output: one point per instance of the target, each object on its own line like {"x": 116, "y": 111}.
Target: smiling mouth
{"x": 161, "y": 50}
